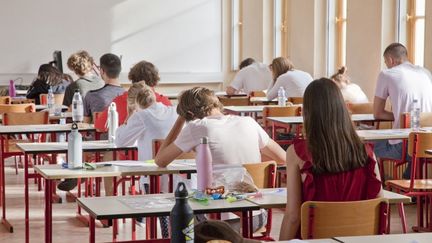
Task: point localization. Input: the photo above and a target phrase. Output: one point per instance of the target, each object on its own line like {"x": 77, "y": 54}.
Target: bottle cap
{"x": 74, "y": 126}
{"x": 77, "y": 90}
{"x": 181, "y": 191}
{"x": 204, "y": 140}
{"x": 113, "y": 106}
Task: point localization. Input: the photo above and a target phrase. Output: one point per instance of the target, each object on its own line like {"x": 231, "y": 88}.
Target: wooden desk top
{"x": 152, "y": 205}
{"x": 45, "y": 128}
{"x": 383, "y": 134}
{"x": 299, "y": 119}
{"x": 62, "y": 147}
{"x": 276, "y": 198}
{"x": 56, "y": 172}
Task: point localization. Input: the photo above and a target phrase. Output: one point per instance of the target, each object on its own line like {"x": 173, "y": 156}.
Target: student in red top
{"x": 331, "y": 164}
{"x": 142, "y": 71}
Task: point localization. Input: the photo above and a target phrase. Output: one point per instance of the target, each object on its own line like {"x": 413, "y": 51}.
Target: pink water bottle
{"x": 12, "y": 90}
{"x": 204, "y": 165}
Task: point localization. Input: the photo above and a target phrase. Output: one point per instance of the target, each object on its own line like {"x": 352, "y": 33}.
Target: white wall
{"x": 183, "y": 38}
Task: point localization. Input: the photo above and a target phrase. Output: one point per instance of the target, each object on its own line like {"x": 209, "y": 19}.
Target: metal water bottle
{"x": 204, "y": 165}
{"x": 12, "y": 89}
{"x": 182, "y": 217}
{"x": 77, "y": 107}
{"x": 112, "y": 122}
{"x": 74, "y": 148}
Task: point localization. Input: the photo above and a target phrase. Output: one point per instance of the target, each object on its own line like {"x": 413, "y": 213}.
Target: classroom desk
{"x": 262, "y": 100}
{"x": 137, "y": 206}
{"x": 50, "y": 173}
{"x": 293, "y": 120}
{"x": 54, "y": 119}
{"x": 242, "y": 110}
{"x": 43, "y": 107}
{"x": 393, "y": 238}
{"x": 384, "y": 134}
{"x": 33, "y": 149}
{"x": 26, "y": 129}
{"x": 174, "y": 95}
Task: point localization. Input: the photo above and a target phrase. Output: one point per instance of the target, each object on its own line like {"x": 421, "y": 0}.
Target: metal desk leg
{"x": 92, "y": 238}
{"x": 26, "y": 198}
{"x": 245, "y": 224}
{"x": 48, "y": 211}
{"x": 4, "y": 221}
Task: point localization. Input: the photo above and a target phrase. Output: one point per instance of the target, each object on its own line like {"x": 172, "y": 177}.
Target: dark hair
{"x": 144, "y": 71}
{"x": 51, "y": 75}
{"x": 330, "y": 135}
{"x": 396, "y": 51}
{"x": 197, "y": 103}
{"x": 111, "y": 65}
{"x": 279, "y": 66}
{"x": 246, "y": 62}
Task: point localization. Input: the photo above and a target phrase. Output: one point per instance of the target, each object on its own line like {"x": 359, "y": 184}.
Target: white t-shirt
{"x": 233, "y": 140}
{"x": 403, "y": 84}
{"x": 294, "y": 83}
{"x": 255, "y": 77}
{"x": 352, "y": 93}
{"x": 143, "y": 126}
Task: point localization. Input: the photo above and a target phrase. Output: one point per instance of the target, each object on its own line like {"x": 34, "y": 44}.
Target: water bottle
{"x": 204, "y": 165}
{"x": 50, "y": 100}
{"x": 12, "y": 89}
{"x": 77, "y": 107}
{"x": 282, "y": 97}
{"x": 182, "y": 217}
{"x": 112, "y": 122}
{"x": 415, "y": 115}
{"x": 74, "y": 148}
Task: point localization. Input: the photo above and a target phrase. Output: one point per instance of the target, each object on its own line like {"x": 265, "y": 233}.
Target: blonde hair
{"x": 141, "y": 95}
{"x": 341, "y": 78}
{"x": 197, "y": 103}
{"x": 280, "y": 65}
{"x": 80, "y": 63}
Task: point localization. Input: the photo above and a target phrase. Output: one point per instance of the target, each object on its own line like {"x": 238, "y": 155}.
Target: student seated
{"x": 233, "y": 140}
{"x": 331, "y": 164}
{"x": 48, "y": 76}
{"x": 252, "y": 76}
{"x": 142, "y": 71}
{"x": 284, "y": 75}
{"x": 81, "y": 63}
{"x": 352, "y": 93}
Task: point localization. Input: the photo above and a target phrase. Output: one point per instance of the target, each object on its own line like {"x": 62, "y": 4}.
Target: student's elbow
{"x": 230, "y": 90}
{"x": 160, "y": 162}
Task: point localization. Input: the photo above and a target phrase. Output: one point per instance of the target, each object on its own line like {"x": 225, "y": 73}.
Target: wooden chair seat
{"x": 424, "y": 184}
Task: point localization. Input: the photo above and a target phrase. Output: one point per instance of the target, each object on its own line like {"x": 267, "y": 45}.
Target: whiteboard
{"x": 177, "y": 36}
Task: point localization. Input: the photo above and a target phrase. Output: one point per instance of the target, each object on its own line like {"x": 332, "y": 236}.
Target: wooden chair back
{"x": 263, "y": 174}
{"x": 58, "y": 99}
{"x": 5, "y": 100}
{"x": 5, "y": 108}
{"x": 418, "y": 143}
{"x": 257, "y": 94}
{"x": 31, "y": 118}
{"x": 277, "y": 111}
{"x": 157, "y": 144}
{"x": 234, "y": 100}
{"x": 360, "y": 108}
{"x": 296, "y": 100}
{"x": 22, "y": 101}
{"x": 367, "y": 217}
{"x": 425, "y": 119}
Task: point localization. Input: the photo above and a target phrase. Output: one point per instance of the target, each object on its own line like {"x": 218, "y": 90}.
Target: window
{"x": 236, "y": 33}
{"x": 280, "y": 28}
{"x": 336, "y": 36}
{"x": 412, "y": 28}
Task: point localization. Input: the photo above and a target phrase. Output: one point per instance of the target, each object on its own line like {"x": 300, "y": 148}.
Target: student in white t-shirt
{"x": 351, "y": 92}
{"x": 284, "y": 75}
{"x": 402, "y": 82}
{"x": 148, "y": 120}
{"x": 252, "y": 76}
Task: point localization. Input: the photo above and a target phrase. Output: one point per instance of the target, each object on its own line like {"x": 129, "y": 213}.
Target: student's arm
{"x": 230, "y": 90}
{"x": 379, "y": 109}
{"x": 168, "y": 150}
{"x": 378, "y": 176}
{"x": 291, "y": 220}
{"x": 272, "y": 91}
{"x": 274, "y": 151}
{"x": 127, "y": 134}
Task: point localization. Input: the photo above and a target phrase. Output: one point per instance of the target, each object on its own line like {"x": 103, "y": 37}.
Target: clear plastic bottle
{"x": 415, "y": 115}
{"x": 204, "y": 165}
{"x": 50, "y": 100}
{"x": 113, "y": 122}
{"x": 182, "y": 217}
{"x": 282, "y": 97}
{"x": 77, "y": 107}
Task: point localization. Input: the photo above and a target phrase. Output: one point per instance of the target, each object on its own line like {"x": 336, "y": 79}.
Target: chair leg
{"x": 16, "y": 165}
{"x": 401, "y": 210}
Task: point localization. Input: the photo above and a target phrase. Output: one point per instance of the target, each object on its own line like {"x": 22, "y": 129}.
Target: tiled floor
{"x": 68, "y": 229}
